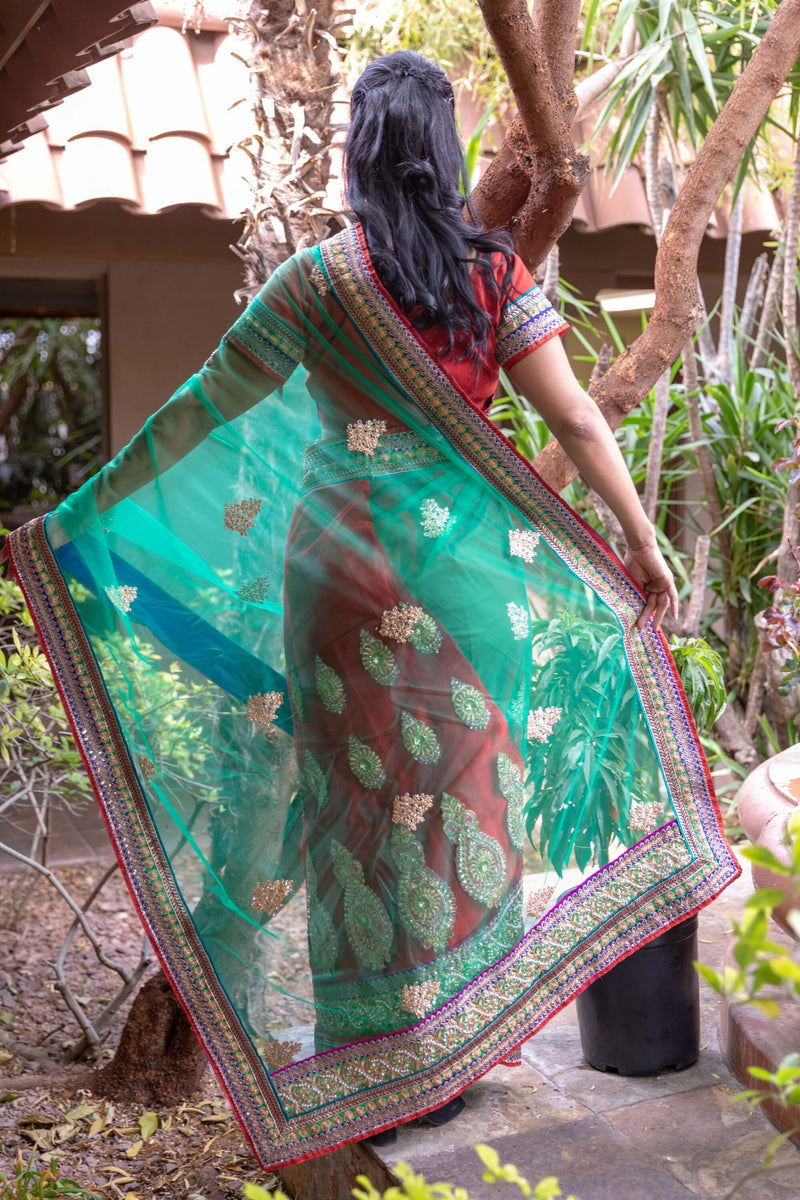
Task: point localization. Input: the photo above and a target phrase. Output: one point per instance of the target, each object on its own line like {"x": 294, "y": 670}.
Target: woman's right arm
{"x": 546, "y": 378}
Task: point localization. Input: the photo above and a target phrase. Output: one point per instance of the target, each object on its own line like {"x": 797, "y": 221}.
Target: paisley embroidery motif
{"x": 510, "y": 778}
{"x": 330, "y": 688}
{"x": 367, "y": 923}
{"x": 425, "y": 903}
{"x": 469, "y": 705}
{"x": 296, "y": 694}
{"x": 480, "y": 861}
{"x": 425, "y": 636}
{"x": 315, "y": 778}
{"x": 323, "y": 944}
{"x": 378, "y": 660}
{"x": 419, "y": 739}
{"x": 365, "y": 764}
{"x": 147, "y": 768}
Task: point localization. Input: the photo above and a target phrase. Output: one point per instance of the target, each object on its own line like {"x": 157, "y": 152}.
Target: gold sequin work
{"x": 409, "y": 810}
{"x": 645, "y": 817}
{"x": 263, "y": 707}
{"x": 147, "y": 768}
{"x": 363, "y": 436}
{"x": 271, "y": 896}
{"x": 419, "y": 998}
{"x": 319, "y": 281}
{"x": 254, "y": 592}
{"x": 541, "y": 723}
{"x": 278, "y": 1054}
{"x": 522, "y": 543}
{"x": 538, "y": 902}
{"x": 240, "y": 515}
{"x": 122, "y": 597}
{"x": 398, "y": 623}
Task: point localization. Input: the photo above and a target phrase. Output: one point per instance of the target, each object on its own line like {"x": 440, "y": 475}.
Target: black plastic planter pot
{"x": 643, "y": 1016}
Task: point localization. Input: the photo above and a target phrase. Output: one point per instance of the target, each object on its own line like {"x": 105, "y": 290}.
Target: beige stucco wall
{"x": 164, "y": 319}
{"x": 168, "y": 285}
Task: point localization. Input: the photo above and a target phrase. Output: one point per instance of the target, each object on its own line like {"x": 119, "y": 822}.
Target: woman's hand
{"x": 648, "y": 567}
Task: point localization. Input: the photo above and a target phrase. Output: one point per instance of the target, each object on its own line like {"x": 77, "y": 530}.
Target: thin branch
{"x": 691, "y": 625}
{"x": 655, "y": 452}
{"x": 730, "y": 278}
{"x": 769, "y": 310}
{"x": 62, "y": 891}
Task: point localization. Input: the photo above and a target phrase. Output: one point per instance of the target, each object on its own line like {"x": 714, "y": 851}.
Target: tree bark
{"x": 534, "y": 182}
{"x": 678, "y": 309}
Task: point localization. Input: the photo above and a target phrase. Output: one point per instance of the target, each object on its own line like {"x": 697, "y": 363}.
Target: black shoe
{"x": 445, "y": 1114}
{"x": 386, "y": 1137}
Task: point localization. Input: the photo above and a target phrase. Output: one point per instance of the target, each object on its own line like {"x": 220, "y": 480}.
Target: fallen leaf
{"x": 96, "y": 1125}
{"x": 6, "y": 1018}
{"x": 148, "y": 1124}
{"x": 134, "y": 1148}
{"x": 5, "y": 1057}
{"x": 83, "y": 1110}
{"x": 7, "y": 1097}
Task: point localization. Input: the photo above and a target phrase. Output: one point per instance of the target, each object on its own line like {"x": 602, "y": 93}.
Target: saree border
{"x": 338, "y": 1096}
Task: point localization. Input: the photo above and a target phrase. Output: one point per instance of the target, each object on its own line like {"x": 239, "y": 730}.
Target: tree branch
{"x": 678, "y": 309}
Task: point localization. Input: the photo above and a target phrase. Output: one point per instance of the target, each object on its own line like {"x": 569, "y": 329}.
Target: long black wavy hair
{"x": 403, "y": 167}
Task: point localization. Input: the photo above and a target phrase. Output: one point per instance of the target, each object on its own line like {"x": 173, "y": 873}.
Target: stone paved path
{"x": 672, "y": 1137}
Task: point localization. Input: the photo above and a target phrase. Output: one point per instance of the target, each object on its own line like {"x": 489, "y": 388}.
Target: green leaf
{"x": 764, "y": 858}
{"x": 148, "y": 1124}
{"x": 712, "y": 977}
{"x": 767, "y": 898}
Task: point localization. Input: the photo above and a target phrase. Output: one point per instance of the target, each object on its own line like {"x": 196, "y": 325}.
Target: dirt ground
{"x": 195, "y": 1151}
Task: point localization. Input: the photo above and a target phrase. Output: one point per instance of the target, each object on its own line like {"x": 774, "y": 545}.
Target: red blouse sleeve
{"x": 527, "y": 320}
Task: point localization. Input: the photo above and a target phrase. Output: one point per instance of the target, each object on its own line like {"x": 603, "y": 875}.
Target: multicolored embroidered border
{"x": 525, "y": 324}
{"x": 263, "y": 335}
{"x": 340, "y": 1095}
{"x": 332, "y": 462}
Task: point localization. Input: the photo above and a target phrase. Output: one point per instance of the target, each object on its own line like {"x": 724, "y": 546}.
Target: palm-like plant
{"x": 50, "y": 402}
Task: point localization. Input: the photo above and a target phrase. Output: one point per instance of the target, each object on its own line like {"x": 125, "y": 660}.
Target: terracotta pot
{"x": 767, "y": 798}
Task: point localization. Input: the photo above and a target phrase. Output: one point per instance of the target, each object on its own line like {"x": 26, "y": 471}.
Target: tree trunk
{"x": 159, "y": 1061}
{"x": 678, "y": 310}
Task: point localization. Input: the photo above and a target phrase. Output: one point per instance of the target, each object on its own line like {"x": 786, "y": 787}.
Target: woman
{"x": 330, "y": 642}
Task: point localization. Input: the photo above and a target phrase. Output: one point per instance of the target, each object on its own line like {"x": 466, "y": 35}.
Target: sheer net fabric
{"x": 390, "y": 775}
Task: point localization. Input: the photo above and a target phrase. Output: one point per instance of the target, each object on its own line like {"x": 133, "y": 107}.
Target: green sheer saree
{"x": 389, "y": 772}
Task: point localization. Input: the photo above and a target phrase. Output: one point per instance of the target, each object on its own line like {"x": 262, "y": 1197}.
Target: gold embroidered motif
{"x": 522, "y": 543}
{"x": 436, "y": 519}
{"x": 645, "y": 817}
{"x": 240, "y": 515}
{"x": 271, "y": 896}
{"x": 409, "y": 810}
{"x": 398, "y": 623}
{"x": 541, "y": 723}
{"x": 363, "y": 436}
{"x": 277, "y": 1054}
{"x": 122, "y": 597}
{"x": 419, "y": 998}
{"x": 147, "y": 768}
{"x": 263, "y": 707}
{"x": 319, "y": 281}
{"x": 255, "y": 592}
{"x": 538, "y": 902}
